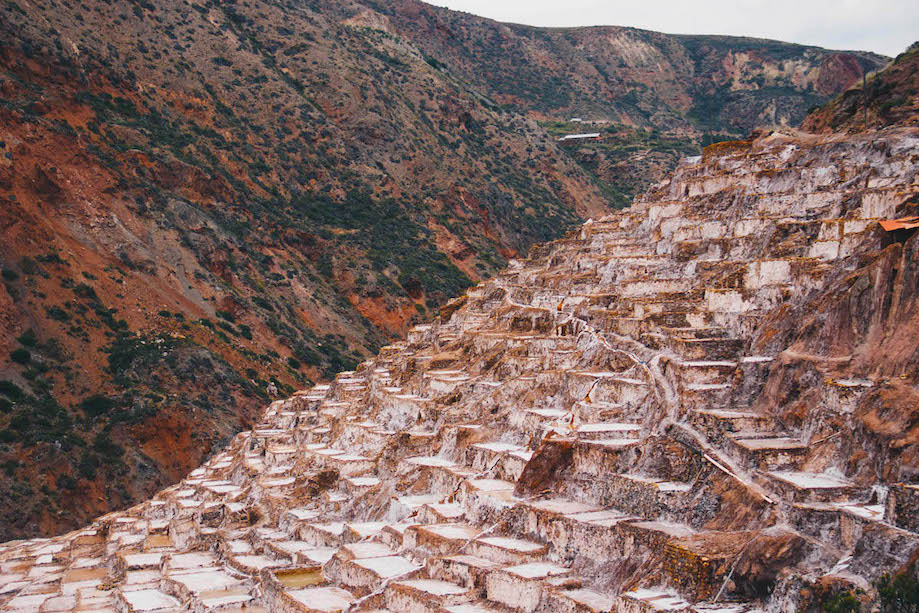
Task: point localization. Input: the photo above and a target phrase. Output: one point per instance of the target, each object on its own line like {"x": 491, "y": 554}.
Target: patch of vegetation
{"x": 389, "y": 236}
{"x": 97, "y": 405}
{"x": 844, "y": 602}
{"x": 106, "y": 447}
{"x": 898, "y": 594}
{"x": 28, "y": 338}
{"x": 130, "y": 352}
{"x": 50, "y": 258}
{"x": 20, "y": 356}
{"x": 66, "y": 482}
{"x": 57, "y": 314}
{"x": 11, "y": 390}
{"x": 894, "y": 594}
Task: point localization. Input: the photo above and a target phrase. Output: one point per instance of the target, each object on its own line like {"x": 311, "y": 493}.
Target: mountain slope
{"x": 616, "y": 424}
{"x": 632, "y": 76}
{"x": 209, "y": 204}
{"x": 653, "y": 97}
{"x": 891, "y": 97}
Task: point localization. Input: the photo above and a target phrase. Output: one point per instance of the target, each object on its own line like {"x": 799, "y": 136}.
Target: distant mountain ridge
{"x": 655, "y": 97}
{"x": 634, "y": 76}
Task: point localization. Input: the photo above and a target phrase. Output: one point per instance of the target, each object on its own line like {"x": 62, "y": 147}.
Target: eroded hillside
{"x": 210, "y": 204}
{"x": 890, "y": 97}
{"x": 680, "y": 407}
{"x": 631, "y": 76}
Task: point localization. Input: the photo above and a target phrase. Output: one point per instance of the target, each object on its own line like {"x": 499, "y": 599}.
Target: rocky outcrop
{"x": 652, "y": 414}
{"x": 887, "y": 98}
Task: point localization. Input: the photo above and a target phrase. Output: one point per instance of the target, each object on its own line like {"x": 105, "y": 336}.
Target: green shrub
{"x": 308, "y": 356}
{"x": 50, "y": 258}
{"x": 28, "y": 338}
{"x": 11, "y": 390}
{"x": 57, "y": 313}
{"x": 97, "y": 405}
{"x": 261, "y": 302}
{"x": 20, "y": 423}
{"x": 10, "y": 466}
{"x": 294, "y": 363}
{"x": 9, "y": 275}
{"x": 28, "y": 266}
{"x": 86, "y": 291}
{"x": 66, "y": 482}
{"x": 89, "y": 462}
{"x": 844, "y": 602}
{"x": 20, "y": 356}
{"x": 225, "y": 326}
{"x": 107, "y": 447}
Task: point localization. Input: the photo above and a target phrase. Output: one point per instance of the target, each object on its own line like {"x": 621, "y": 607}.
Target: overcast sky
{"x": 883, "y": 26}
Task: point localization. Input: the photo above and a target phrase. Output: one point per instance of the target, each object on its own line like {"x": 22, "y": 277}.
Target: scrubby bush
{"x": 11, "y": 390}
{"x": 261, "y": 302}
{"x": 57, "y": 313}
{"x": 66, "y": 482}
{"x": 97, "y": 405}
{"x": 104, "y": 445}
{"x": 89, "y": 462}
{"x": 28, "y": 338}
{"x": 20, "y": 356}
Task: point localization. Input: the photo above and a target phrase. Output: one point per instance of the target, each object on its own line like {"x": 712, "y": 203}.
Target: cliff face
{"x": 704, "y": 402}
